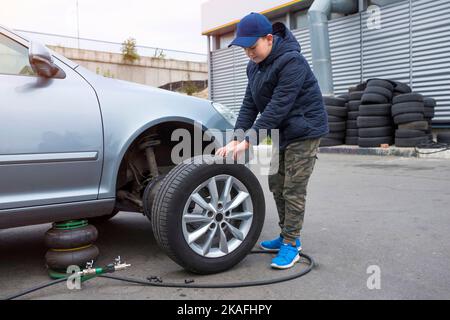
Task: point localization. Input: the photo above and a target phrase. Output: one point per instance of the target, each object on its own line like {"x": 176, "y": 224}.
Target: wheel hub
{"x": 221, "y": 218}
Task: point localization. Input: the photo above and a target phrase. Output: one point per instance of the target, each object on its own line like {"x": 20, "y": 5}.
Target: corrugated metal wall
{"x": 345, "y": 47}
{"x": 386, "y": 51}
{"x": 302, "y": 36}
{"x": 222, "y": 76}
{"x": 430, "y": 55}
{"x": 412, "y": 46}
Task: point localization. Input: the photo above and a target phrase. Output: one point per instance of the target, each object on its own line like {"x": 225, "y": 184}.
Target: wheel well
{"x": 135, "y": 172}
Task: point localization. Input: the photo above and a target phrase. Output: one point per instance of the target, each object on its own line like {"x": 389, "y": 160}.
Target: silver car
{"x": 76, "y": 145}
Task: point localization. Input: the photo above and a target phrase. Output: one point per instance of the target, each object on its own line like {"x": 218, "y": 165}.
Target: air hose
{"x": 189, "y": 283}
{"x": 432, "y": 145}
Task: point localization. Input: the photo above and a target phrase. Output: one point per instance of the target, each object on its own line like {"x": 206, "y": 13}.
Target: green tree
{"x": 129, "y": 52}
{"x": 189, "y": 88}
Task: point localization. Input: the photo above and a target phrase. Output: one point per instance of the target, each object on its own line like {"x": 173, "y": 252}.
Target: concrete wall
{"x": 148, "y": 70}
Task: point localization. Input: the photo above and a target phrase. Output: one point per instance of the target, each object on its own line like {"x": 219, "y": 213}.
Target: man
{"x": 282, "y": 87}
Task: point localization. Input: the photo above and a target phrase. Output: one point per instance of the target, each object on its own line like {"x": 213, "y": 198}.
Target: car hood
{"x": 150, "y": 102}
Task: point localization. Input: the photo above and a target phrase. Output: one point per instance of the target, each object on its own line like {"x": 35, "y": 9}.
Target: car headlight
{"x": 226, "y": 112}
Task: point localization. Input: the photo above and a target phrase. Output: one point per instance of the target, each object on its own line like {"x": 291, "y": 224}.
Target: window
{"x": 14, "y": 58}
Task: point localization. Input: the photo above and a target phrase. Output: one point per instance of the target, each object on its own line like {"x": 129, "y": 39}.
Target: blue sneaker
{"x": 275, "y": 244}
{"x": 286, "y": 258}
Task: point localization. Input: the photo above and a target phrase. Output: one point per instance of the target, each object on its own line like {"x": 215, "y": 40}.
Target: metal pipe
{"x": 208, "y": 61}
{"x": 318, "y": 16}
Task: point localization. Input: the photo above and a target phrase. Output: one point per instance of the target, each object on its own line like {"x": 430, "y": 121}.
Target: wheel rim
{"x": 217, "y": 216}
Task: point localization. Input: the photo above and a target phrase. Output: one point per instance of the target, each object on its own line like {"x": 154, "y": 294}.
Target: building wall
{"x": 413, "y": 46}
{"x": 219, "y": 13}
{"x": 150, "y": 71}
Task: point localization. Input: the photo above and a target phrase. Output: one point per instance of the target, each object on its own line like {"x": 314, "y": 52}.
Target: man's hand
{"x": 235, "y": 147}
{"x": 240, "y": 148}
{"x": 223, "y": 152}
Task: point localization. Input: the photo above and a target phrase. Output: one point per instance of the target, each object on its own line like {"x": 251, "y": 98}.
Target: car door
{"x": 51, "y": 136}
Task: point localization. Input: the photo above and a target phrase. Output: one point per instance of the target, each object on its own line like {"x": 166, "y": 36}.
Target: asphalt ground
{"x": 377, "y": 226}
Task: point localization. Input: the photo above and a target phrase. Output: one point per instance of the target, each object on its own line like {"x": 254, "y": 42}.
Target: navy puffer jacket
{"x": 286, "y": 93}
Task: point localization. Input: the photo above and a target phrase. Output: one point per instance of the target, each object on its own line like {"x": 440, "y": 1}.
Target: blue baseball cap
{"x": 250, "y": 29}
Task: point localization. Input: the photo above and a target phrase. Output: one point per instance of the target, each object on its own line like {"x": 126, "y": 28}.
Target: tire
{"x": 174, "y": 201}
{"x": 379, "y": 90}
{"x": 374, "y": 142}
{"x": 408, "y": 117}
{"x": 334, "y": 101}
{"x": 428, "y": 113}
{"x": 339, "y": 135}
{"x": 68, "y": 239}
{"x": 429, "y": 102}
{"x": 410, "y": 142}
{"x": 60, "y": 260}
{"x": 326, "y": 142}
{"x": 375, "y": 132}
{"x": 375, "y": 110}
{"x": 409, "y": 133}
{"x": 344, "y": 96}
{"x": 351, "y": 133}
{"x": 385, "y": 84}
{"x": 407, "y": 107}
{"x": 337, "y": 111}
{"x": 335, "y": 119}
{"x": 356, "y": 95}
{"x": 149, "y": 196}
{"x": 359, "y": 87}
{"x": 103, "y": 219}
{"x": 443, "y": 137}
{"x": 351, "y": 141}
{"x": 370, "y": 98}
{"x": 371, "y": 122}
{"x": 401, "y": 87}
{"x": 408, "y": 97}
{"x": 353, "y": 115}
{"x": 416, "y": 125}
{"x": 353, "y": 105}
{"x": 337, "y": 126}
{"x": 352, "y": 124}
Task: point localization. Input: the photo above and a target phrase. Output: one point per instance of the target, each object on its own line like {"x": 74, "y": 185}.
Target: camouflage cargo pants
{"x": 289, "y": 183}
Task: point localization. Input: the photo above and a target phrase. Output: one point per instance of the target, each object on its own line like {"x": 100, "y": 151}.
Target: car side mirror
{"x": 41, "y": 61}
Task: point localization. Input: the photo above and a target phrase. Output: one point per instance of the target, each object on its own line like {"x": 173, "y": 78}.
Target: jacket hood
{"x": 284, "y": 41}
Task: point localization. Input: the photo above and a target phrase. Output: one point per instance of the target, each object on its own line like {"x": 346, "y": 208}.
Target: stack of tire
{"x": 352, "y": 116}
{"x": 400, "y": 88}
{"x": 374, "y": 120}
{"x": 70, "y": 243}
{"x": 337, "y": 116}
{"x": 429, "y": 106}
{"x": 408, "y": 112}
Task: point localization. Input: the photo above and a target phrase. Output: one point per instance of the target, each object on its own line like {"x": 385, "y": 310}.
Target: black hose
{"x": 223, "y": 285}
{"x": 432, "y": 145}
{"x": 36, "y": 288}
{"x": 185, "y": 285}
